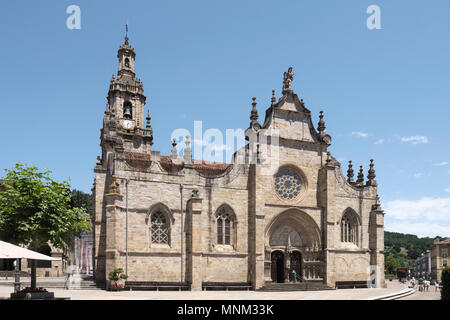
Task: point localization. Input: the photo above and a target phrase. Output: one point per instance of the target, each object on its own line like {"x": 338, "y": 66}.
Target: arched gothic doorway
{"x": 292, "y": 244}
{"x": 277, "y": 259}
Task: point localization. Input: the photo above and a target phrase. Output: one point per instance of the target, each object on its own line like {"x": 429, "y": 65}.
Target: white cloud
{"x": 421, "y": 229}
{"x": 421, "y": 175}
{"x": 447, "y": 189}
{"x": 415, "y": 139}
{"x": 425, "y": 209}
{"x": 360, "y": 134}
{"x": 379, "y": 141}
{"x": 441, "y": 164}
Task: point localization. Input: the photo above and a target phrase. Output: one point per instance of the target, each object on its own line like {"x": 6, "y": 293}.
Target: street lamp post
{"x": 181, "y": 232}
{"x": 16, "y": 276}
{"x": 126, "y": 229}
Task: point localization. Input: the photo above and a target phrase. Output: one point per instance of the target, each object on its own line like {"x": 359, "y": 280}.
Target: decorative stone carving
{"x": 288, "y": 77}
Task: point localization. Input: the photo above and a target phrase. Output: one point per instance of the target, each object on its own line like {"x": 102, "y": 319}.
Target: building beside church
{"x": 281, "y": 205}
{"x": 439, "y": 258}
{"x": 421, "y": 267}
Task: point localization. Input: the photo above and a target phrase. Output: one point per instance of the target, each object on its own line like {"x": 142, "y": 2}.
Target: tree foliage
{"x": 83, "y": 200}
{"x": 35, "y": 210}
{"x": 445, "y": 291}
{"x": 400, "y": 250}
{"x": 117, "y": 274}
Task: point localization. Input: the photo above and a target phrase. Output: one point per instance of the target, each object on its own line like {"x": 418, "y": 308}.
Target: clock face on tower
{"x": 127, "y": 124}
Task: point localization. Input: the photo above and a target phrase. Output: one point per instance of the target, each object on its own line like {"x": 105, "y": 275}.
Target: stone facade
{"x": 421, "y": 267}
{"x": 439, "y": 258}
{"x": 283, "y": 204}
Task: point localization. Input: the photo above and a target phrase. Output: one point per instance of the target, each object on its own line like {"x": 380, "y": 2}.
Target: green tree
{"x": 445, "y": 291}
{"x": 81, "y": 199}
{"x": 391, "y": 264}
{"x": 35, "y": 210}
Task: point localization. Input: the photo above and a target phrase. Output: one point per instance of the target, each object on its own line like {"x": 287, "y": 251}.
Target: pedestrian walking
{"x": 294, "y": 273}
{"x": 436, "y": 286}
{"x": 413, "y": 282}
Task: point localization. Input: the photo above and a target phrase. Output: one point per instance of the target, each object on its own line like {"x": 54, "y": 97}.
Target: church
{"x": 281, "y": 212}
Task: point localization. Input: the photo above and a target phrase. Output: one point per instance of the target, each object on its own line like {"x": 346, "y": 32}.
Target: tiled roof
{"x": 446, "y": 241}
{"x": 168, "y": 164}
{"x": 136, "y": 159}
{"x": 204, "y": 167}
{"x": 207, "y": 167}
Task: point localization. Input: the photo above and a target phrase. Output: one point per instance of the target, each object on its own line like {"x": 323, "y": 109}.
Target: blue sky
{"x": 385, "y": 92}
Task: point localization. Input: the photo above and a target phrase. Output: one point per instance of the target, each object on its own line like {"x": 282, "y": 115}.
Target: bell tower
{"x": 125, "y": 126}
{"x": 126, "y": 98}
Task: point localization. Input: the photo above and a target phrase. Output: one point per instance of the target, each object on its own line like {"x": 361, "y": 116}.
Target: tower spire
{"x": 126, "y": 34}
{"x": 126, "y": 56}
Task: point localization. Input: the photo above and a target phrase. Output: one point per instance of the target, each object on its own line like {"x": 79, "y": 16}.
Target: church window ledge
{"x": 224, "y": 248}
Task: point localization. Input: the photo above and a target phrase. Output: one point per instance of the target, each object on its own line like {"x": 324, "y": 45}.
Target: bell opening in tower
{"x": 127, "y": 110}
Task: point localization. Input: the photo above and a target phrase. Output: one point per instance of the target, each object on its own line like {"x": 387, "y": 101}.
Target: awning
{"x": 10, "y": 251}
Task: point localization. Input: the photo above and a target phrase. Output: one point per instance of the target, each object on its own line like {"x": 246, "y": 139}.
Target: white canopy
{"x": 10, "y": 251}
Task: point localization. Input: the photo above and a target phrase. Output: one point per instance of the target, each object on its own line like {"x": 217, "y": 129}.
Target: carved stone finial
{"x": 288, "y": 77}
{"x": 113, "y": 187}
{"x": 194, "y": 193}
{"x": 350, "y": 174}
{"x": 377, "y": 205}
{"x": 360, "y": 180}
{"x": 174, "y": 149}
{"x": 148, "y": 126}
{"x": 273, "y": 100}
{"x": 254, "y": 112}
{"x": 371, "y": 174}
{"x": 99, "y": 161}
{"x": 254, "y": 116}
{"x": 187, "y": 151}
{"x": 321, "y": 125}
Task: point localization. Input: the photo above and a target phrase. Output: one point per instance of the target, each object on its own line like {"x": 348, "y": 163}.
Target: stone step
{"x": 302, "y": 286}
{"x": 84, "y": 285}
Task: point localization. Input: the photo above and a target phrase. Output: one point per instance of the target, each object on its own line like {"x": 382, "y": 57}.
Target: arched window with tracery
{"x": 349, "y": 227}
{"x": 159, "y": 227}
{"x": 226, "y": 223}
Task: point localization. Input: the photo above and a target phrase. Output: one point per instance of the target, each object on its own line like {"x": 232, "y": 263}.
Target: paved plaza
{"x": 432, "y": 294}
{"x": 393, "y": 288}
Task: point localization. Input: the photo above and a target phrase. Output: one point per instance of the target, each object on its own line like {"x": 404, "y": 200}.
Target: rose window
{"x": 287, "y": 184}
